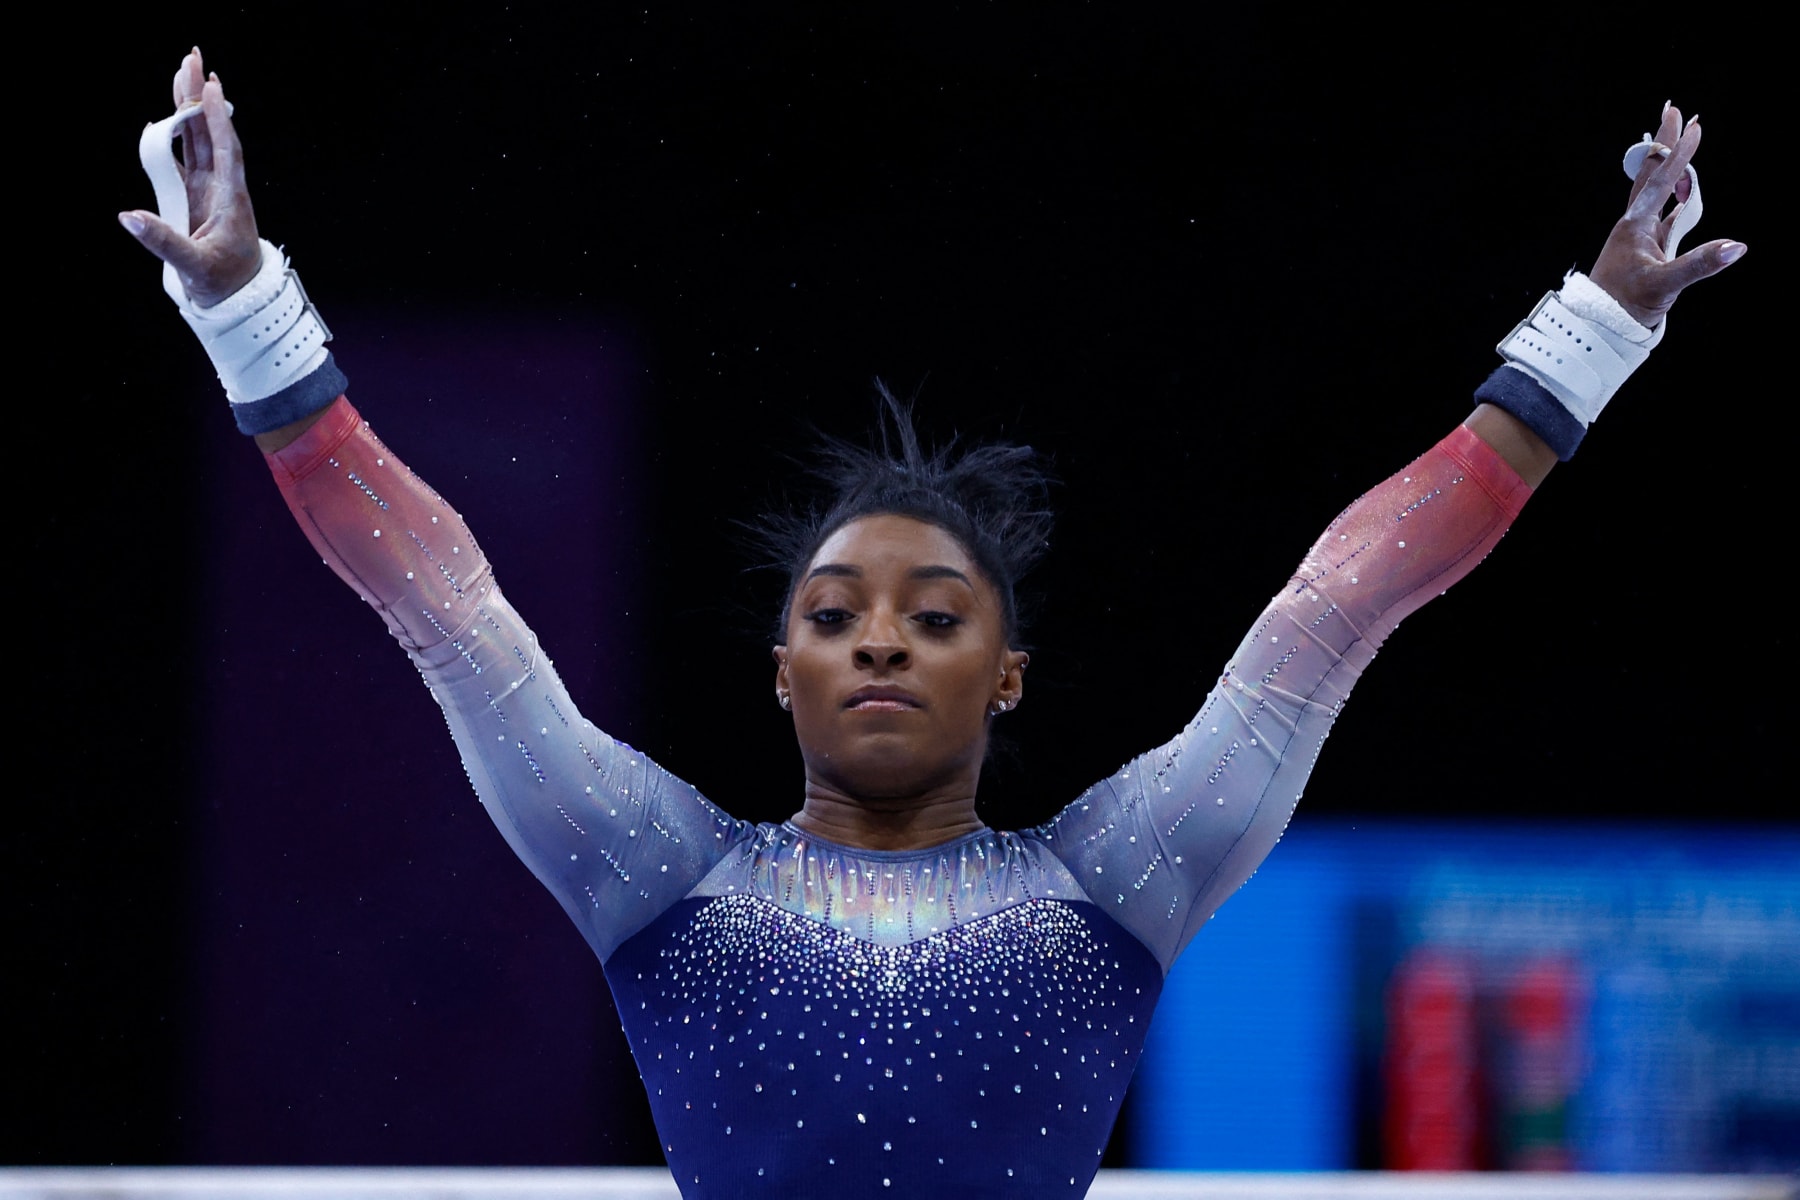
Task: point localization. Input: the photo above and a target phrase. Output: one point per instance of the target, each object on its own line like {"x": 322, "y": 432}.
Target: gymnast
{"x": 882, "y": 993}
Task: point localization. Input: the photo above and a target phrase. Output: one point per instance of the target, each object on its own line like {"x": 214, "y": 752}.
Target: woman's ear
{"x": 781, "y": 676}
{"x": 1011, "y": 684}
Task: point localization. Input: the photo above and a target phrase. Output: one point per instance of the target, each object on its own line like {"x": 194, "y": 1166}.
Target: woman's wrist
{"x": 268, "y": 344}
{"x": 1566, "y": 360}
{"x": 246, "y": 267}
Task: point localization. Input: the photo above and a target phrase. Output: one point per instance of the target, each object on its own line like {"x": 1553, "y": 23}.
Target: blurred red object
{"x": 1432, "y": 1118}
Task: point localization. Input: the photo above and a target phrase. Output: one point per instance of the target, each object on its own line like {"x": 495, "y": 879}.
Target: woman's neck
{"x": 866, "y": 825}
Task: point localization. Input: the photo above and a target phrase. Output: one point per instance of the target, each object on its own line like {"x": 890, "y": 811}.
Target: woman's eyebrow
{"x": 940, "y": 573}
{"x": 848, "y": 571}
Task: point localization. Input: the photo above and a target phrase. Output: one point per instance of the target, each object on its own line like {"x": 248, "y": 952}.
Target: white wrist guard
{"x": 262, "y": 338}
{"x": 1580, "y": 345}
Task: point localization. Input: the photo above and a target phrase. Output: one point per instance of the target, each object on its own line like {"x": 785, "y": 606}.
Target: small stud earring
{"x": 786, "y": 701}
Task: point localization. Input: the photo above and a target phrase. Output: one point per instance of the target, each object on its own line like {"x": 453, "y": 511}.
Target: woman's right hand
{"x": 1634, "y": 267}
{"x": 220, "y": 254}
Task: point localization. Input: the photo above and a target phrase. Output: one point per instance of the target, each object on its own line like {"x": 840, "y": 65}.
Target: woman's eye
{"x": 938, "y": 620}
{"x": 828, "y": 616}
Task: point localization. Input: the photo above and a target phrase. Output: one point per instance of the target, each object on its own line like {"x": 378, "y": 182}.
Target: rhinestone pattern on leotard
{"x": 785, "y": 1057}
{"x": 840, "y": 1021}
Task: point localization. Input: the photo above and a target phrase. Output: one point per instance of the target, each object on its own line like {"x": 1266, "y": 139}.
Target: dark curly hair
{"x": 992, "y": 498}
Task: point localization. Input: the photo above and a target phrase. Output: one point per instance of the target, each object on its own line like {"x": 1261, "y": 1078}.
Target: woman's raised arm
{"x": 1164, "y": 841}
{"x": 614, "y": 837}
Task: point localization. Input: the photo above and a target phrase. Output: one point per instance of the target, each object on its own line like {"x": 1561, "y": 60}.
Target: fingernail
{"x": 1665, "y": 110}
{"x": 134, "y": 224}
{"x": 1660, "y": 150}
{"x": 1694, "y": 120}
{"x": 1730, "y": 252}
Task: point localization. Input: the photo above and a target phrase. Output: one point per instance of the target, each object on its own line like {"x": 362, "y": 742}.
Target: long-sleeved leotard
{"x": 807, "y": 1015}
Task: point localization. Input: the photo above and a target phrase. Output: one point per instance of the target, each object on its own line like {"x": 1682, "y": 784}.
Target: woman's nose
{"x": 881, "y": 643}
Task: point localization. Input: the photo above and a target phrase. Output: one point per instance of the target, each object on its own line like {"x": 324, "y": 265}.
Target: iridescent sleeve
{"x": 1163, "y": 841}
{"x": 615, "y": 837}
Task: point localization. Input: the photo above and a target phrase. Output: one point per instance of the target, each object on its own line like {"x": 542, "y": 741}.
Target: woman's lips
{"x": 881, "y": 700}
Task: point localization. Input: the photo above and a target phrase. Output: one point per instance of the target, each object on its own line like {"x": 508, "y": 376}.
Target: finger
{"x": 1700, "y": 262}
{"x": 224, "y": 153}
{"x": 1646, "y": 172}
{"x": 188, "y": 84}
{"x": 202, "y": 128}
{"x": 188, "y": 78}
{"x": 155, "y": 235}
{"x": 1682, "y": 187}
{"x": 1685, "y": 146}
{"x": 1656, "y": 183}
{"x": 1668, "y": 133}
{"x": 1668, "y": 126}
{"x": 1665, "y": 228}
{"x": 196, "y": 165}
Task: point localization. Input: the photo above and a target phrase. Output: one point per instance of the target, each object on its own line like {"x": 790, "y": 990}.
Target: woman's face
{"x": 895, "y": 658}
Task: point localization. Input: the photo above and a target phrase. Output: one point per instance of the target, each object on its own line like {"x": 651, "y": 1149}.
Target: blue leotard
{"x": 815, "y": 1019}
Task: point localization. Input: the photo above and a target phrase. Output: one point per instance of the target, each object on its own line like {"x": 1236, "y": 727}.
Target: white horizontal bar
{"x": 630, "y": 1183}
{"x": 1429, "y": 1185}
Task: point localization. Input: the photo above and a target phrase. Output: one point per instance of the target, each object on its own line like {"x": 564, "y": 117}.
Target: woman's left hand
{"x": 219, "y": 252}
{"x": 1633, "y": 267}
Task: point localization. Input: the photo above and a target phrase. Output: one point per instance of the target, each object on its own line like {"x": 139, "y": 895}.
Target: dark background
{"x": 595, "y": 277}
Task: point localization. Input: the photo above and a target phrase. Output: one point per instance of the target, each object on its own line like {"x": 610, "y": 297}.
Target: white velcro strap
{"x": 1593, "y": 304}
{"x": 1578, "y": 361}
{"x": 266, "y": 335}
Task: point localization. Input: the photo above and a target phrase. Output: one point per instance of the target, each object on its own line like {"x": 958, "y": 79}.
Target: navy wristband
{"x": 301, "y": 398}
{"x": 1514, "y": 391}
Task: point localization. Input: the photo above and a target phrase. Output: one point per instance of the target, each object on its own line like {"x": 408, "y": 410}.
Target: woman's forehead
{"x": 892, "y": 540}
